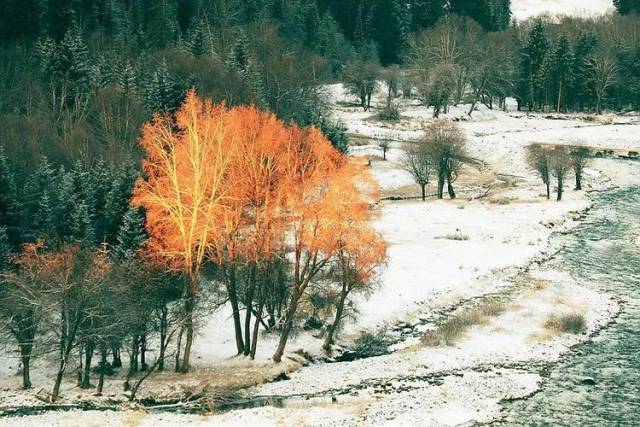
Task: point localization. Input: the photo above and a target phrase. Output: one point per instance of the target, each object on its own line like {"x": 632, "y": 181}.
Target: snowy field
{"x": 523, "y": 9}
{"x": 504, "y": 231}
{"x": 506, "y": 228}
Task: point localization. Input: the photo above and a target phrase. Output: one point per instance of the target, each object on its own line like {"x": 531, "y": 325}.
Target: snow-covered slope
{"x": 523, "y": 9}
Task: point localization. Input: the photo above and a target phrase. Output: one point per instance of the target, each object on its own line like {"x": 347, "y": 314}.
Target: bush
{"x": 454, "y": 236}
{"x": 370, "y": 345}
{"x": 572, "y": 323}
{"x": 389, "y": 113}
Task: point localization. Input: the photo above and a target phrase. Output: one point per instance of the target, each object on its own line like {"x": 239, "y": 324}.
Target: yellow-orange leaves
{"x": 238, "y": 183}
{"x": 187, "y": 181}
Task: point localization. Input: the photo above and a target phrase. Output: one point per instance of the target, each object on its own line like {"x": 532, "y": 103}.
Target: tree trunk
{"x": 133, "y": 358}
{"x": 256, "y": 329}
{"x": 559, "y": 96}
{"x": 328, "y": 342}
{"x": 178, "y": 347}
{"x": 88, "y": 356}
{"x": 248, "y": 303}
{"x": 450, "y": 190}
{"x": 441, "y": 187}
{"x": 143, "y": 352}
{"x": 560, "y": 189}
{"x": 288, "y": 324}
{"x": 103, "y": 368}
{"x": 163, "y": 337}
{"x": 578, "y": 180}
{"x": 233, "y": 299}
{"x": 424, "y": 192}
{"x": 189, "y": 302}
{"x": 548, "y": 189}
{"x": 115, "y": 351}
{"x": 25, "y": 356}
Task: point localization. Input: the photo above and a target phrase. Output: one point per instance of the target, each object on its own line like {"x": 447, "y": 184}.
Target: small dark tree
{"x": 446, "y": 145}
{"x": 560, "y": 167}
{"x": 579, "y": 156}
{"x": 361, "y": 80}
{"x": 539, "y": 158}
{"x": 417, "y": 162}
{"x": 384, "y": 145}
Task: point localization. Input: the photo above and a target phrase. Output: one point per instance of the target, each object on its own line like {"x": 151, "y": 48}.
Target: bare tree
{"x": 446, "y": 146}
{"x": 602, "y": 70}
{"x": 579, "y": 156}
{"x": 560, "y": 166}
{"x": 361, "y": 80}
{"x": 417, "y": 162}
{"x": 384, "y": 146}
{"x": 539, "y": 158}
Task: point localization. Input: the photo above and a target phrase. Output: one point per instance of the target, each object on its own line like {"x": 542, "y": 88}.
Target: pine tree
{"x": 530, "y": 89}
{"x": 5, "y": 249}
{"x": 162, "y": 91}
{"x": 426, "y": 13}
{"x": 44, "y": 220}
{"x": 242, "y": 61}
{"x": 585, "y": 46}
{"x": 392, "y": 26}
{"x": 8, "y": 199}
{"x": 131, "y": 234}
{"x": 162, "y": 27}
{"x": 493, "y": 15}
{"x": 36, "y": 195}
{"x": 625, "y": 7}
{"x": 82, "y": 229}
{"x": 198, "y": 40}
{"x": 561, "y": 61}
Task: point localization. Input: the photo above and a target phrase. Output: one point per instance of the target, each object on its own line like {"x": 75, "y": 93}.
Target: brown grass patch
{"x": 572, "y": 323}
{"x": 449, "y": 332}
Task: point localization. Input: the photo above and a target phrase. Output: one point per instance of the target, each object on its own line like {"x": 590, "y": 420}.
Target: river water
{"x": 602, "y": 254}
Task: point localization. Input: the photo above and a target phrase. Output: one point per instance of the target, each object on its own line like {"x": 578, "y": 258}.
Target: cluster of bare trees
{"x": 558, "y": 162}
{"x": 441, "y": 153}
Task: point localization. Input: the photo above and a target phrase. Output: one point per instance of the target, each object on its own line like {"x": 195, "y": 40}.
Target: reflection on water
{"x": 601, "y": 254}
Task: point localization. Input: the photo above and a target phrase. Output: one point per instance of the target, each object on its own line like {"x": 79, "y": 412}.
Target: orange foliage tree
{"x": 185, "y": 190}
{"x": 236, "y": 186}
{"x": 361, "y": 252}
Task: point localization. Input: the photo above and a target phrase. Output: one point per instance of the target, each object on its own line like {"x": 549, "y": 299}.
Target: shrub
{"x": 389, "y": 113}
{"x": 572, "y": 323}
{"x": 370, "y": 345}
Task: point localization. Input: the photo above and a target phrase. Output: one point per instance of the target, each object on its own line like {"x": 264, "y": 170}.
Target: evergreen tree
{"x": 82, "y": 229}
{"x": 585, "y": 46}
{"x": 242, "y": 61}
{"x": 625, "y": 7}
{"x": 392, "y": 26}
{"x": 198, "y": 40}
{"x": 131, "y": 234}
{"x": 493, "y": 15}
{"x": 530, "y": 90}
{"x": 162, "y": 27}
{"x": 426, "y": 13}
{"x": 162, "y": 91}
{"x": 36, "y": 196}
{"x": 5, "y": 249}
{"x": 560, "y": 73}
{"x": 8, "y": 199}
{"x": 44, "y": 223}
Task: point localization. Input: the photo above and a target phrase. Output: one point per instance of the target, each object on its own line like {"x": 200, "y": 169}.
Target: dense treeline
{"x": 570, "y": 65}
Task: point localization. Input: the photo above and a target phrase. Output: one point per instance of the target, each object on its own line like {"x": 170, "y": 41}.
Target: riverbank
{"x": 446, "y": 258}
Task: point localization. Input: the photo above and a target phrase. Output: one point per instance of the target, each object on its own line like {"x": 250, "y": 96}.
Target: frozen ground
{"x": 504, "y": 231}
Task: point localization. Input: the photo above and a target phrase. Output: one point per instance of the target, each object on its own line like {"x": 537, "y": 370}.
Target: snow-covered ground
{"x": 503, "y": 231}
{"x": 523, "y": 9}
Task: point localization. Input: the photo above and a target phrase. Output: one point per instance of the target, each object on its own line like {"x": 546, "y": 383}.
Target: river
{"x": 603, "y": 253}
